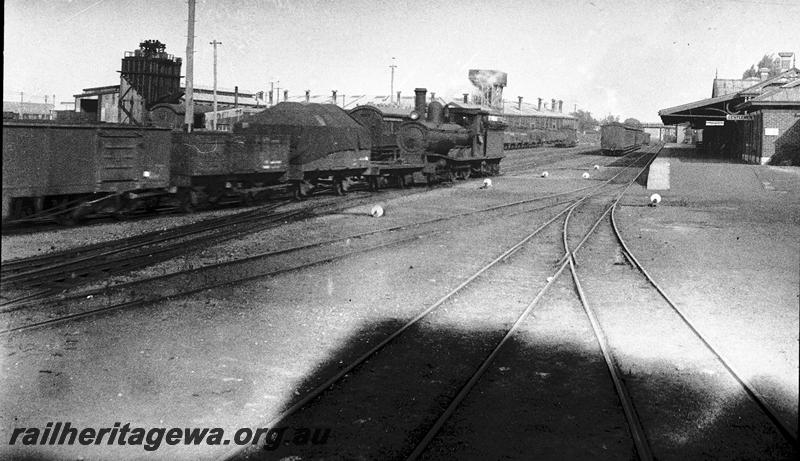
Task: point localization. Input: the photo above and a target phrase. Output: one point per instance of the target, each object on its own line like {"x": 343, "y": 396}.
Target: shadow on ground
{"x": 541, "y": 399}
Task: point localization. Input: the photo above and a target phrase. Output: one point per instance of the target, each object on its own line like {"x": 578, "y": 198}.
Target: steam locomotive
{"x": 441, "y": 142}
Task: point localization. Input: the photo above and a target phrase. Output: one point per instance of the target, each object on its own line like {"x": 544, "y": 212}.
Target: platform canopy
{"x": 699, "y": 112}
{"x": 719, "y": 108}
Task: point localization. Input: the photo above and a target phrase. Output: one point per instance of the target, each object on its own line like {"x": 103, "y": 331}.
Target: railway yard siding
{"x": 723, "y": 243}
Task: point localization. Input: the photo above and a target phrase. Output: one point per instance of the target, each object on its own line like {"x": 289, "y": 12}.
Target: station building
{"x": 750, "y": 119}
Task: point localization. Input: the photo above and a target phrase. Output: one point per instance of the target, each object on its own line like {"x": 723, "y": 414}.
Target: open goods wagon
{"x": 217, "y": 167}
{"x": 63, "y": 171}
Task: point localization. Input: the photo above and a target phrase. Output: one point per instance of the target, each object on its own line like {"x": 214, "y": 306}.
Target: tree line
{"x": 769, "y": 61}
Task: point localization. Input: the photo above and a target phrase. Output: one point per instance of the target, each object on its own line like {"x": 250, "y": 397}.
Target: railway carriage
{"x": 528, "y": 128}
{"x": 618, "y": 138}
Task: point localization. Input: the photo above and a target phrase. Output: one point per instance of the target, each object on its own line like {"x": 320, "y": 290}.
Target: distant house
{"x": 27, "y": 110}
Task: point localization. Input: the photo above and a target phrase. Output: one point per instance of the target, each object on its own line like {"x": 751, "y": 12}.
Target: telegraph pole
{"x": 391, "y": 84}
{"x": 214, "y": 121}
{"x": 189, "y": 120}
{"x": 271, "y": 91}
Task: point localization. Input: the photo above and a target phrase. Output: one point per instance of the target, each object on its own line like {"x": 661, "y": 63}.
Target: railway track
{"x": 529, "y": 159}
{"x": 587, "y": 221}
{"x": 51, "y": 306}
{"x": 56, "y": 272}
{"x": 350, "y": 394}
{"x": 371, "y": 376}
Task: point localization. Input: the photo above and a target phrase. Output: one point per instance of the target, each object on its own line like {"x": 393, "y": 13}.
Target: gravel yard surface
{"x": 722, "y": 243}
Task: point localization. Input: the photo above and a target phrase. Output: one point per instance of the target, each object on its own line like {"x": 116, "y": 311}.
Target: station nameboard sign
{"x": 715, "y": 123}
{"x": 738, "y": 117}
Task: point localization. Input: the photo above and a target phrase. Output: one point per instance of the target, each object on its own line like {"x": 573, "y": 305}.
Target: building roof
{"x": 723, "y": 86}
{"x": 779, "y": 80}
{"x": 28, "y": 107}
{"x": 347, "y": 102}
{"x": 717, "y": 108}
{"x": 201, "y": 94}
{"x": 181, "y": 108}
{"x": 786, "y": 95}
{"x": 98, "y": 90}
{"x": 527, "y": 109}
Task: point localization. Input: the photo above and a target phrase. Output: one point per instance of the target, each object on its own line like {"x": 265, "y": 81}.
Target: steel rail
{"x": 22, "y": 302}
{"x": 150, "y": 280}
{"x": 783, "y": 427}
{"x": 12, "y": 264}
{"x": 634, "y": 423}
{"x": 467, "y": 388}
{"x": 127, "y": 258}
{"x": 314, "y": 393}
{"x": 118, "y": 246}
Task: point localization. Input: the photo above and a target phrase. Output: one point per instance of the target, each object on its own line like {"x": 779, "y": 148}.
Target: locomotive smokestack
{"x": 466, "y": 98}
{"x": 553, "y": 105}
{"x": 519, "y": 102}
{"x": 308, "y": 95}
{"x": 333, "y": 96}
{"x": 419, "y": 100}
{"x": 540, "y": 105}
{"x": 433, "y": 96}
{"x": 285, "y": 95}
{"x": 560, "y": 105}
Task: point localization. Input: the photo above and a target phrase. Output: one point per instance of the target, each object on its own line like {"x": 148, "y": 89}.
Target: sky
{"x": 629, "y": 58}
